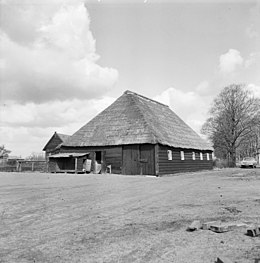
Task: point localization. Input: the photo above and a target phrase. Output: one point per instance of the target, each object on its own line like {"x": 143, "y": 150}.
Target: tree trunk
{"x": 232, "y": 162}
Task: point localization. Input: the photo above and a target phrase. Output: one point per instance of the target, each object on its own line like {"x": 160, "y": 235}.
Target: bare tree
{"x": 234, "y": 116}
{"x": 4, "y": 153}
{"x": 249, "y": 146}
{"x": 36, "y": 157}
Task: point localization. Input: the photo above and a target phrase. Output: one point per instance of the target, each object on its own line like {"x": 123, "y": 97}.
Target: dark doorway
{"x": 98, "y": 156}
{"x": 66, "y": 164}
{"x": 98, "y": 162}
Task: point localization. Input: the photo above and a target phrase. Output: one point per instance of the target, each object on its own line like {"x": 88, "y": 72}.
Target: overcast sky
{"x": 63, "y": 61}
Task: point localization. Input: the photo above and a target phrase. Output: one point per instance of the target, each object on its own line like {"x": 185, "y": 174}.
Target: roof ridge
{"x": 143, "y": 97}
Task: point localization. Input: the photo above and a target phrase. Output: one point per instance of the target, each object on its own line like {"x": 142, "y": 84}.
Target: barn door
{"x": 138, "y": 159}
{"x": 131, "y": 159}
{"x": 147, "y": 162}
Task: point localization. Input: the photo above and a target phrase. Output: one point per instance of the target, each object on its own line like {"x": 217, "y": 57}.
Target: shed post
{"x": 156, "y": 159}
{"x": 141, "y": 168}
{"x": 20, "y": 166}
{"x": 103, "y": 162}
{"x": 76, "y": 164}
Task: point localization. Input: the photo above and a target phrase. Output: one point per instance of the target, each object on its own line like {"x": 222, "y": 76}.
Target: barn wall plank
{"x": 177, "y": 165}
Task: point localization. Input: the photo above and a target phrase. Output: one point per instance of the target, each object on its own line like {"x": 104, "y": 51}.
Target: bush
{"x": 220, "y": 163}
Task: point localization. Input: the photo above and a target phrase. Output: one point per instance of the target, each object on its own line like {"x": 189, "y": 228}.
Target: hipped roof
{"x": 135, "y": 119}
{"x": 63, "y": 137}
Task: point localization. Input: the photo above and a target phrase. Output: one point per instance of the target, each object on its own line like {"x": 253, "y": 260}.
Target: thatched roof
{"x": 63, "y": 137}
{"x": 135, "y": 119}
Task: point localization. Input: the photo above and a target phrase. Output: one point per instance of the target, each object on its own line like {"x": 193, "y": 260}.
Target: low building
{"x": 135, "y": 135}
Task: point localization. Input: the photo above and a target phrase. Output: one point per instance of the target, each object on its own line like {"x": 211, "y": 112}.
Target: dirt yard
{"x": 115, "y": 218}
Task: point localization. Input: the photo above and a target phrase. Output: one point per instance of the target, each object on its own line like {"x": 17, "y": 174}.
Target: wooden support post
{"x": 32, "y": 166}
{"x": 17, "y": 166}
{"x": 103, "y": 162}
{"x": 156, "y": 159}
{"x": 94, "y": 163}
{"x": 76, "y": 164}
{"x": 20, "y": 167}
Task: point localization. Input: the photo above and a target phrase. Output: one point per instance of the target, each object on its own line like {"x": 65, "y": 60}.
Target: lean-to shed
{"x": 137, "y": 135}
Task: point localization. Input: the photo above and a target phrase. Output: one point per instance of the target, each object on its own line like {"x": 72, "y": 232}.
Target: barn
{"x": 135, "y": 135}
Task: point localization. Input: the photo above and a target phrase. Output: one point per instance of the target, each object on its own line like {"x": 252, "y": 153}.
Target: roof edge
{"x": 152, "y": 143}
{"x": 44, "y": 148}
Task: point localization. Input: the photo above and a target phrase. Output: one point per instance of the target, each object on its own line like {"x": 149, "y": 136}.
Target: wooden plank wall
{"x": 131, "y": 158}
{"x": 113, "y": 157}
{"x": 176, "y": 165}
{"x": 147, "y": 153}
{"x": 52, "y": 165}
{"x": 138, "y": 159}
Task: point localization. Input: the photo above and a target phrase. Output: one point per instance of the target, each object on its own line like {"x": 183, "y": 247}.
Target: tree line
{"x": 233, "y": 125}
{"x": 4, "y": 154}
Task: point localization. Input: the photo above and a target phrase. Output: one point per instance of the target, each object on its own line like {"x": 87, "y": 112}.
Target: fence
{"x": 23, "y": 166}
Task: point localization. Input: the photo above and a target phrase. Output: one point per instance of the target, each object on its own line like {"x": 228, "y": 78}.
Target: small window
{"x": 208, "y": 156}
{"x": 201, "y": 156}
{"x": 169, "y": 153}
{"x": 212, "y": 155}
{"x": 193, "y": 156}
{"x": 182, "y": 156}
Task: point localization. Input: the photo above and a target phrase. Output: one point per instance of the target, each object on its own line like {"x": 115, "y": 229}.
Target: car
{"x": 248, "y": 162}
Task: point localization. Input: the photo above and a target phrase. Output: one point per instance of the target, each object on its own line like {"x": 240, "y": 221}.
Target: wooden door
{"x": 131, "y": 159}
{"x": 138, "y": 159}
{"x": 147, "y": 161}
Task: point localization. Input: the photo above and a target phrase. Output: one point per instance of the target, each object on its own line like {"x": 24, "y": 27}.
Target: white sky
{"x": 63, "y": 61}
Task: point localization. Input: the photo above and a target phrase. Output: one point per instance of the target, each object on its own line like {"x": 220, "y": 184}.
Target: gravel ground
{"x": 115, "y": 218}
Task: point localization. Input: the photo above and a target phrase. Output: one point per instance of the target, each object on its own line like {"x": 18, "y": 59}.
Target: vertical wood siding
{"x": 147, "y": 159}
{"x": 113, "y": 157}
{"x": 138, "y": 159}
{"x": 153, "y": 159}
{"x": 176, "y": 165}
{"x": 131, "y": 164}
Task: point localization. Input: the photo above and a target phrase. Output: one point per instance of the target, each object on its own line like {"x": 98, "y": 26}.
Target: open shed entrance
{"x": 99, "y": 162}
{"x": 68, "y": 162}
